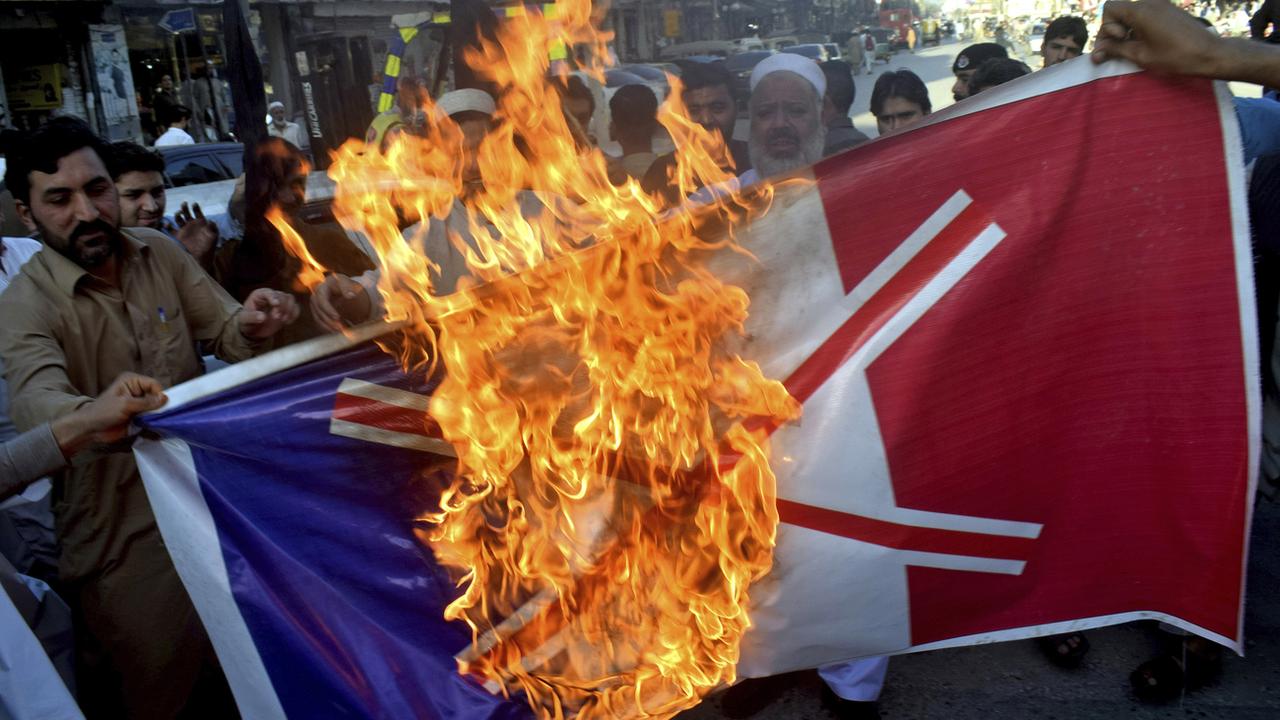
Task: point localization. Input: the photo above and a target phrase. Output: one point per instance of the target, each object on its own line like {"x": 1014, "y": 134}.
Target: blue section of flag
{"x": 343, "y": 603}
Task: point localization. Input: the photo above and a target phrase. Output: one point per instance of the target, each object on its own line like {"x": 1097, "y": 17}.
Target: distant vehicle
{"x": 897, "y": 15}
{"x": 703, "y": 58}
{"x": 833, "y": 51}
{"x": 653, "y": 77}
{"x": 813, "y": 51}
{"x": 748, "y": 44}
{"x": 948, "y": 28}
{"x": 201, "y": 163}
{"x": 930, "y": 32}
{"x": 781, "y": 41}
{"x": 215, "y": 199}
{"x": 718, "y": 48}
{"x": 740, "y": 67}
{"x": 615, "y": 78}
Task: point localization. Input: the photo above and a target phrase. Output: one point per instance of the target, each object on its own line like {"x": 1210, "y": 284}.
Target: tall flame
{"x": 612, "y": 503}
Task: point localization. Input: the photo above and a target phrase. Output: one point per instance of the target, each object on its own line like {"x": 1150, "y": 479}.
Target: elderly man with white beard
{"x": 787, "y": 134}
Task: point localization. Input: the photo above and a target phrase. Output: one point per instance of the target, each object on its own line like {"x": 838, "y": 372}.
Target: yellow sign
{"x": 671, "y": 23}
{"x": 36, "y": 87}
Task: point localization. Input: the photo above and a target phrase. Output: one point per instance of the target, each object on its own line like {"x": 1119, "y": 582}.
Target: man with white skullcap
{"x": 340, "y": 299}
{"x": 787, "y": 133}
{"x": 281, "y": 127}
{"x": 786, "y": 116}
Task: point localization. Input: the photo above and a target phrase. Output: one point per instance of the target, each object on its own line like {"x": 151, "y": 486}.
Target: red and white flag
{"x": 1024, "y": 339}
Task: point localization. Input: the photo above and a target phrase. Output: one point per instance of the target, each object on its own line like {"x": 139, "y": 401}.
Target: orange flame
{"x": 311, "y": 272}
{"x": 612, "y": 504}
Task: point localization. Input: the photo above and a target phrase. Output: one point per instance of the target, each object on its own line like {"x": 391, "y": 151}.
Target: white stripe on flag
{"x": 173, "y": 488}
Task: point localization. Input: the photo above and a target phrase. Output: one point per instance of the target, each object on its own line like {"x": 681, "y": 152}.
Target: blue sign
{"x": 177, "y": 21}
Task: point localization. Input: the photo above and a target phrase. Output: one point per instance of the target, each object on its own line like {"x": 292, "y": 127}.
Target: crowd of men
{"x": 116, "y": 302}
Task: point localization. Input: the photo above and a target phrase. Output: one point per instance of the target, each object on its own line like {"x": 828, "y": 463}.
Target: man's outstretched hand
{"x": 265, "y": 312}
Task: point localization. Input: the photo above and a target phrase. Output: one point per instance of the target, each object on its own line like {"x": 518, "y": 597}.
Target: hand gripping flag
{"x": 1023, "y": 335}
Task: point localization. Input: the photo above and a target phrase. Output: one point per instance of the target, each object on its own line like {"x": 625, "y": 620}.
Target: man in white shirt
{"x": 179, "y": 118}
{"x": 281, "y": 127}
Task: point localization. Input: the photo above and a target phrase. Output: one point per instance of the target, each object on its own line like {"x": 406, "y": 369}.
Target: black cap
{"x": 974, "y": 55}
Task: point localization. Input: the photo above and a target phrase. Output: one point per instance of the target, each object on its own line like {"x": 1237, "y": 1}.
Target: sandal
{"x": 1066, "y": 650}
{"x": 1189, "y": 665}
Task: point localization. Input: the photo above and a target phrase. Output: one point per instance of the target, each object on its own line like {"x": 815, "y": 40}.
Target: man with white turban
{"x": 787, "y": 132}
{"x": 281, "y": 127}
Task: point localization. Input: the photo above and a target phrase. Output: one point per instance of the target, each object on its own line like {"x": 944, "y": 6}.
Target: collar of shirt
{"x": 67, "y": 275}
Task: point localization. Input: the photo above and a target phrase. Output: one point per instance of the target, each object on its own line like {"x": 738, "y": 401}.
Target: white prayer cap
{"x": 466, "y": 100}
{"x": 274, "y": 105}
{"x": 793, "y": 63}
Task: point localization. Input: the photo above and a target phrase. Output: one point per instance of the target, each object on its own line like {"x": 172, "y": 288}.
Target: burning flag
{"x": 1025, "y": 364}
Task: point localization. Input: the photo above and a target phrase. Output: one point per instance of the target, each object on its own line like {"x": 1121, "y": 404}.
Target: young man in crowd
{"x": 899, "y": 100}
{"x": 841, "y": 134}
{"x": 97, "y": 302}
{"x": 967, "y": 62}
{"x": 633, "y": 118}
{"x": 1064, "y": 39}
{"x": 139, "y": 177}
{"x": 707, "y": 92}
{"x": 176, "y": 121}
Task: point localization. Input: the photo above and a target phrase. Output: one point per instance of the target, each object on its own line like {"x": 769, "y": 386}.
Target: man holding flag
{"x": 99, "y": 302}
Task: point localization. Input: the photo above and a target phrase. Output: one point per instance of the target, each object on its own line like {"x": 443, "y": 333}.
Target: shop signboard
{"x": 35, "y": 87}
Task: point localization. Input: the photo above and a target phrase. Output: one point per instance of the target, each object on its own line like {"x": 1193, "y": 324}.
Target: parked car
{"x": 813, "y": 51}
{"x": 215, "y": 201}
{"x": 719, "y": 48}
{"x": 201, "y": 163}
{"x": 740, "y": 67}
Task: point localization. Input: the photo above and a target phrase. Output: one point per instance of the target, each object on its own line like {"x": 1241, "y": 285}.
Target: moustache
{"x": 783, "y": 133}
{"x": 93, "y": 226}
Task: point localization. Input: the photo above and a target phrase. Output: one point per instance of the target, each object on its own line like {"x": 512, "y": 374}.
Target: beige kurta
{"x": 64, "y": 336}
